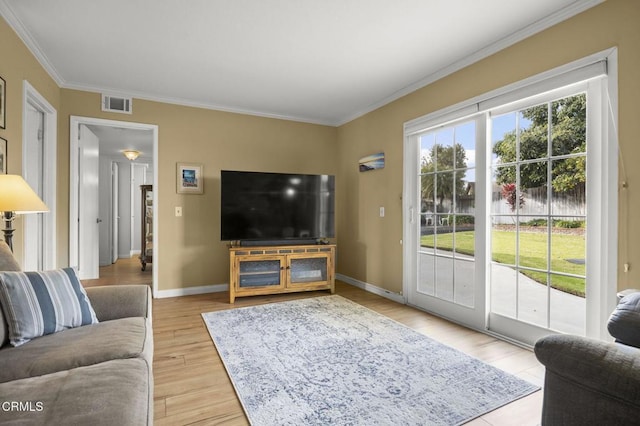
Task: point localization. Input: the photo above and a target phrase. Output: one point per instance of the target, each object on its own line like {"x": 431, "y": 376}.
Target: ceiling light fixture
{"x": 131, "y": 154}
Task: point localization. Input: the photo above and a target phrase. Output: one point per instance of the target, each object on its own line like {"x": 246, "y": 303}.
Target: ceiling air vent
{"x": 116, "y": 104}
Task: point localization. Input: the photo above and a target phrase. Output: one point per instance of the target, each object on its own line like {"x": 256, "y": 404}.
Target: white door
{"x": 444, "y": 236}
{"x": 33, "y": 174}
{"x": 115, "y": 218}
{"x": 88, "y": 202}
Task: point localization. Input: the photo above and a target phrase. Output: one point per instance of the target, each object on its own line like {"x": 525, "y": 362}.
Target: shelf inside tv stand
{"x": 280, "y": 269}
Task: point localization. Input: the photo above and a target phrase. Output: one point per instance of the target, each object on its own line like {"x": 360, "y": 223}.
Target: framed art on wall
{"x": 3, "y": 104}
{"x": 372, "y": 162}
{"x": 3, "y": 156}
{"x": 189, "y": 178}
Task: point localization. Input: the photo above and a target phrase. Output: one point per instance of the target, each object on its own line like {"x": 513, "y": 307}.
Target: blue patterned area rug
{"x": 330, "y": 361}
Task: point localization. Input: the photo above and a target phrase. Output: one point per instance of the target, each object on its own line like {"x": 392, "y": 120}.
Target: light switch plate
{"x": 178, "y": 211}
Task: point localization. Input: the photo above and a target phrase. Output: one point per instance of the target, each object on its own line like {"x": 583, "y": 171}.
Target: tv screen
{"x": 276, "y": 206}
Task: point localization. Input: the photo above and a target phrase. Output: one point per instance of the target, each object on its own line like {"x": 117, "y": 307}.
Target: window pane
{"x": 426, "y": 145}
{"x": 426, "y": 274}
{"x": 532, "y": 299}
{"x": 532, "y": 241}
{"x": 568, "y": 248}
{"x": 503, "y": 240}
{"x": 427, "y": 234}
{"x": 533, "y": 132}
{"x": 534, "y": 201}
{"x": 534, "y": 176}
{"x": 569, "y": 118}
{"x": 444, "y": 137}
{"x": 503, "y": 139}
{"x": 568, "y": 312}
{"x": 443, "y": 150}
{"x": 443, "y": 239}
{"x": 464, "y": 282}
{"x": 465, "y": 193}
{"x": 465, "y": 235}
{"x": 465, "y": 145}
{"x": 445, "y": 183}
{"x": 427, "y": 238}
{"x": 504, "y": 283}
{"x": 568, "y": 187}
{"x": 533, "y": 181}
{"x": 427, "y": 194}
{"x": 504, "y": 198}
{"x": 444, "y": 221}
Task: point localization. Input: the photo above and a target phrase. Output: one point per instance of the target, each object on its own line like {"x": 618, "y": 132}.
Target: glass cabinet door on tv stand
{"x": 280, "y": 269}
{"x": 265, "y": 272}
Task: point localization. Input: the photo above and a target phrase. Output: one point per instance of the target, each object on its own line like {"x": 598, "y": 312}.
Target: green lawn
{"x": 533, "y": 254}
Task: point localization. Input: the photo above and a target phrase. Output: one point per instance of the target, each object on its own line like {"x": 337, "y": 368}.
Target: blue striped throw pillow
{"x": 40, "y": 303}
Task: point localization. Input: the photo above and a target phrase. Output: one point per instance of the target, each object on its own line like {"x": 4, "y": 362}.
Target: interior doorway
{"x": 113, "y": 137}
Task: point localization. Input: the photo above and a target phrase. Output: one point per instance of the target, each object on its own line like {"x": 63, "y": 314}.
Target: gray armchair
{"x": 592, "y": 382}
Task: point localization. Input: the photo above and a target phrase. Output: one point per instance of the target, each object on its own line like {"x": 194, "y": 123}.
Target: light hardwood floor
{"x": 192, "y": 386}
{"x": 124, "y": 271}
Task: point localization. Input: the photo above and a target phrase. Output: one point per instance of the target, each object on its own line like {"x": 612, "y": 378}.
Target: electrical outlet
{"x": 178, "y": 211}
{"x": 381, "y": 211}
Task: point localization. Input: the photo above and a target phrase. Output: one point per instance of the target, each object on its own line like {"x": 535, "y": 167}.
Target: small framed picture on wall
{"x": 3, "y": 104}
{"x": 189, "y": 178}
{"x": 3, "y": 156}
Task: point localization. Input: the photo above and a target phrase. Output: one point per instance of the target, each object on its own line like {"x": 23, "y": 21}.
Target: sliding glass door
{"x": 538, "y": 216}
{"x": 510, "y": 211}
{"x": 445, "y": 234}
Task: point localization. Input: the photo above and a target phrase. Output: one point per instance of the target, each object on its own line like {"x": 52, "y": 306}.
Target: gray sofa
{"x": 592, "y": 382}
{"x": 98, "y": 374}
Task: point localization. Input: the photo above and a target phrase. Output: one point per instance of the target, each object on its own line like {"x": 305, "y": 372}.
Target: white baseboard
{"x": 216, "y": 288}
{"x": 396, "y": 297}
{"x": 189, "y": 291}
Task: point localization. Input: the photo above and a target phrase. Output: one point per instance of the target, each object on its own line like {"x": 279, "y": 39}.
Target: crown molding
{"x": 189, "y": 103}
{"x": 573, "y": 9}
{"x": 18, "y": 27}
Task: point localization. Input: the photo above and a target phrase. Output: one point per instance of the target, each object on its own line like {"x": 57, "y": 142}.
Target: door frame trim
{"x": 74, "y": 123}
{"x": 50, "y": 145}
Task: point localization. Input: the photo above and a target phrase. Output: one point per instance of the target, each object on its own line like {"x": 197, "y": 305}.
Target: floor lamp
{"x": 17, "y": 197}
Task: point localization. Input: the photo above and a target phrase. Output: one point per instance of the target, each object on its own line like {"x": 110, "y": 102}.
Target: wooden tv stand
{"x": 280, "y": 269}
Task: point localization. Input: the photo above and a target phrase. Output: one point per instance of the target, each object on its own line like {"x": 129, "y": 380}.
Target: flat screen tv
{"x": 276, "y": 207}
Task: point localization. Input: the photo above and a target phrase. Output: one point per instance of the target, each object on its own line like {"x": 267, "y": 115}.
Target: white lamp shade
{"x": 17, "y": 196}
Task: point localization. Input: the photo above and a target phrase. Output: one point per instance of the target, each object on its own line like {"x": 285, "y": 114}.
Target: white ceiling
{"x": 318, "y": 61}
{"x": 114, "y": 140}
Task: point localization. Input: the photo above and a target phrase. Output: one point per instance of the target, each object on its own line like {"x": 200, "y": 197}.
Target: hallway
{"x": 124, "y": 271}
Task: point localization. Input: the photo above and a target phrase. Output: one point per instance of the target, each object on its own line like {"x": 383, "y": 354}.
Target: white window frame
{"x": 602, "y": 163}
